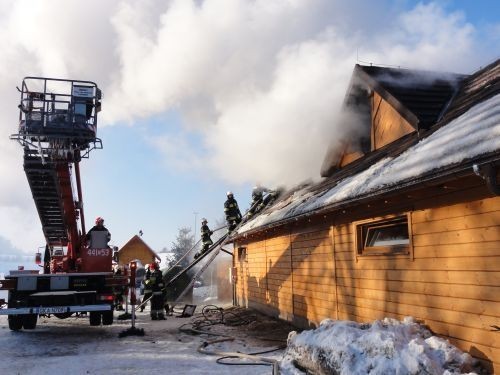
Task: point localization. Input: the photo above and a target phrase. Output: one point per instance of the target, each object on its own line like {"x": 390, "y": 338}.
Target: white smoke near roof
{"x": 262, "y": 81}
{"x": 257, "y": 83}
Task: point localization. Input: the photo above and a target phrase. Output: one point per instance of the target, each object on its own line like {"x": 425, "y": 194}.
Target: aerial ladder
{"x": 206, "y": 258}
{"x": 57, "y": 129}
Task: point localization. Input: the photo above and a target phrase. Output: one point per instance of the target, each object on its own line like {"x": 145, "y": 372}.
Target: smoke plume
{"x": 257, "y": 84}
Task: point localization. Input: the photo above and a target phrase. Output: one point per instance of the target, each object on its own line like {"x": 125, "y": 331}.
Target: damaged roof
{"x": 421, "y": 97}
{"x": 468, "y": 133}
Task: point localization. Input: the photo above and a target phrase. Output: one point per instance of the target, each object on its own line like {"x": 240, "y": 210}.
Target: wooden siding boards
{"x": 387, "y": 124}
{"x": 451, "y": 284}
{"x": 136, "y": 248}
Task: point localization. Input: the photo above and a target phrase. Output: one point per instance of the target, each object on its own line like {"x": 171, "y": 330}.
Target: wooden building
{"x": 136, "y": 248}
{"x": 406, "y": 221}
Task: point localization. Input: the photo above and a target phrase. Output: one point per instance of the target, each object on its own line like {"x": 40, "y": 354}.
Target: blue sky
{"x": 201, "y": 97}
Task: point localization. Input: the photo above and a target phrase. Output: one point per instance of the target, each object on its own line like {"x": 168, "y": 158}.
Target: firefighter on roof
{"x": 157, "y": 288}
{"x": 232, "y": 211}
{"x": 205, "y": 237}
{"x": 257, "y": 196}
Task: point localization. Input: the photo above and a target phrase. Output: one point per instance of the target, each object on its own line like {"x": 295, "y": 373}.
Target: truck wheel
{"x": 107, "y": 318}
{"x": 29, "y": 321}
{"x": 15, "y": 322}
{"x": 95, "y": 318}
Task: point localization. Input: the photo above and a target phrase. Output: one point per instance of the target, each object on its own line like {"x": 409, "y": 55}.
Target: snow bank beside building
{"x": 383, "y": 347}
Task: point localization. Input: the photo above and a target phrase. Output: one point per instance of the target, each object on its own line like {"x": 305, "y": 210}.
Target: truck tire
{"x": 15, "y": 322}
{"x": 29, "y": 321}
{"x": 107, "y": 318}
{"x": 95, "y": 318}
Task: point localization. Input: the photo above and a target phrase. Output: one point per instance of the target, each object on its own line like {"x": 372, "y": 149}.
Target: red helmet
{"x": 99, "y": 220}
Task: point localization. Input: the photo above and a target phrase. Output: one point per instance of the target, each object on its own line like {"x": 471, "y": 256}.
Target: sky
{"x": 202, "y": 97}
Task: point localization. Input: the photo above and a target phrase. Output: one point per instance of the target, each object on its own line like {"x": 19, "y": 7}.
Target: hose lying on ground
{"x": 212, "y": 315}
{"x": 264, "y": 361}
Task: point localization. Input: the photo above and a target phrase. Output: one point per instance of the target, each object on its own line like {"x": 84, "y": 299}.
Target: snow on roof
{"x": 472, "y": 134}
{"x": 383, "y": 347}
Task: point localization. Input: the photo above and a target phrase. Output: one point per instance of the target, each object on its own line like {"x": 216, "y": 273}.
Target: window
{"x": 383, "y": 237}
{"x": 242, "y": 254}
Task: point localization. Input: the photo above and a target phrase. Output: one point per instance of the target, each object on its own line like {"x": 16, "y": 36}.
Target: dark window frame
{"x": 242, "y": 254}
{"x": 362, "y": 231}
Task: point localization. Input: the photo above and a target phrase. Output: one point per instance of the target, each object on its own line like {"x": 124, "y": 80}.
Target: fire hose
{"x": 266, "y": 361}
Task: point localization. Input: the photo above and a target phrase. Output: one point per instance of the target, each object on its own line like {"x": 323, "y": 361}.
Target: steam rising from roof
{"x": 257, "y": 84}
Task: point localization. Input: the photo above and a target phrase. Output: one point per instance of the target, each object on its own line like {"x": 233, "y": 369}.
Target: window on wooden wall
{"x": 387, "y": 236}
{"x": 242, "y": 254}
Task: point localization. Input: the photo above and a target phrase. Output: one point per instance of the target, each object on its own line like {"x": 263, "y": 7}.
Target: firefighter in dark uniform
{"x": 118, "y": 291}
{"x": 148, "y": 291}
{"x": 205, "y": 237}
{"x": 232, "y": 211}
{"x": 99, "y": 226}
{"x": 257, "y": 196}
{"x": 157, "y": 288}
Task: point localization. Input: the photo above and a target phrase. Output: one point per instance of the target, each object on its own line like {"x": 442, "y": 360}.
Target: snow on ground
{"x": 382, "y": 347}
{"x": 72, "y": 346}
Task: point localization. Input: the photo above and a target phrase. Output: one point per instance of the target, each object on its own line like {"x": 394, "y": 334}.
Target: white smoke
{"x": 261, "y": 82}
{"x": 257, "y": 84}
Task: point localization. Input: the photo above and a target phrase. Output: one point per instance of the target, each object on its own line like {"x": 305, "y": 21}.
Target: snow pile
{"x": 383, "y": 347}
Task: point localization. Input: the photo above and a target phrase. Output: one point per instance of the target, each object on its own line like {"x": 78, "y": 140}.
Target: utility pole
{"x": 195, "y": 221}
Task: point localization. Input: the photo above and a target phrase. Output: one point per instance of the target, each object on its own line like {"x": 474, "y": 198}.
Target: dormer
{"x": 382, "y": 105}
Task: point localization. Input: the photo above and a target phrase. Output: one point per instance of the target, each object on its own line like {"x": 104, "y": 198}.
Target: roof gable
{"x": 468, "y": 133}
{"x": 136, "y": 240}
{"x": 383, "y": 105}
{"x": 421, "y": 97}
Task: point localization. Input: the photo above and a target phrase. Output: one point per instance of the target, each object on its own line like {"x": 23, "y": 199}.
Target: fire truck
{"x": 57, "y": 130}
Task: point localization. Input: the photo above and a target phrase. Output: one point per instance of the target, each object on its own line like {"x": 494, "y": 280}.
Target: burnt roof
{"x": 420, "y": 96}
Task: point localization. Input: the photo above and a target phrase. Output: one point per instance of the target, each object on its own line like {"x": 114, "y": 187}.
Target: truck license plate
{"x": 50, "y": 310}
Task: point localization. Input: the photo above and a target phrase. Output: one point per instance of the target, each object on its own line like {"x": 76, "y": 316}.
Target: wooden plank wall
{"x": 451, "y": 283}
{"x": 135, "y": 251}
{"x": 387, "y": 124}
{"x": 314, "y": 274}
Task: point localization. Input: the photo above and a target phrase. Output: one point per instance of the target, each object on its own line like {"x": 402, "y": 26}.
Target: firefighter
{"x": 232, "y": 211}
{"x": 157, "y": 300}
{"x": 257, "y": 196}
{"x": 270, "y": 198}
{"x": 205, "y": 237}
{"x": 98, "y": 227}
{"x": 118, "y": 291}
{"x": 148, "y": 291}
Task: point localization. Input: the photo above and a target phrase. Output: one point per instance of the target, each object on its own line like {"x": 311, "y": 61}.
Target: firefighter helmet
{"x": 204, "y": 221}
{"x": 99, "y": 220}
{"x": 229, "y": 193}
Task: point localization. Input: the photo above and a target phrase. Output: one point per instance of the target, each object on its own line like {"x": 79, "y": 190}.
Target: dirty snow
{"x": 474, "y": 133}
{"x": 72, "y": 346}
{"x": 382, "y": 347}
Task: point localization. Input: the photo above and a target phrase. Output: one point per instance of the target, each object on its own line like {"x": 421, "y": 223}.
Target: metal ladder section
{"x": 216, "y": 246}
{"x": 44, "y": 183}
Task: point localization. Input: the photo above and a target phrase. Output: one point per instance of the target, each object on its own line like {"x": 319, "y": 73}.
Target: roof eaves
{"x": 458, "y": 171}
